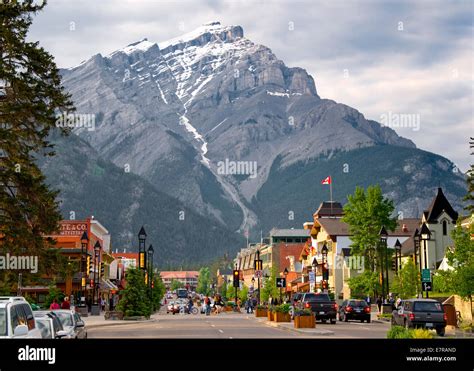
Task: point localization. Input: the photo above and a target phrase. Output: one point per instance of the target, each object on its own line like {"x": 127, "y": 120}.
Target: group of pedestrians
{"x": 64, "y": 304}
{"x": 250, "y": 304}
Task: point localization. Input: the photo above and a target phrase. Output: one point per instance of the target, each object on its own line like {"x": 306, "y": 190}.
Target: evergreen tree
{"x": 470, "y": 183}
{"x": 405, "y": 284}
{"x": 30, "y": 97}
{"x": 159, "y": 291}
{"x": 135, "y": 300}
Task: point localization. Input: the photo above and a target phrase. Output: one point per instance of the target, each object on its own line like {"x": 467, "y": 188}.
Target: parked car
{"x": 354, "y": 309}
{"x": 321, "y": 304}
{"x": 426, "y": 313}
{"x": 50, "y": 325}
{"x": 72, "y": 323}
{"x": 16, "y": 318}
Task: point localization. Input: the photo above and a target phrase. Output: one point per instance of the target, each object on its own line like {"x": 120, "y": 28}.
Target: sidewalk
{"x": 100, "y": 321}
{"x": 289, "y": 326}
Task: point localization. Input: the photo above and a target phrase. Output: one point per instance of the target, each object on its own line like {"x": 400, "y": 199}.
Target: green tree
{"x": 269, "y": 287}
{"x": 135, "y": 300}
{"x": 230, "y": 294}
{"x": 367, "y": 283}
{"x": 461, "y": 258}
{"x": 470, "y": 183}
{"x": 443, "y": 281}
{"x": 175, "y": 284}
{"x": 243, "y": 293}
{"x": 223, "y": 289}
{"x": 30, "y": 96}
{"x": 366, "y": 213}
{"x": 53, "y": 293}
{"x": 204, "y": 281}
{"x": 406, "y": 283}
{"x": 159, "y": 291}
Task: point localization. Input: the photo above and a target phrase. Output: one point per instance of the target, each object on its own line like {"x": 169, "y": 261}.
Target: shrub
{"x": 421, "y": 333}
{"x": 398, "y": 332}
{"x": 283, "y": 308}
{"x": 261, "y": 307}
{"x": 303, "y": 312}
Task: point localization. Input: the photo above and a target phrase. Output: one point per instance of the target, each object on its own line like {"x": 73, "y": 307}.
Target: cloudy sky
{"x": 380, "y": 57}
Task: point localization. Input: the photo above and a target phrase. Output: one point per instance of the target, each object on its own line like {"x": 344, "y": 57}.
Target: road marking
{"x": 221, "y": 331}
{"x": 213, "y": 325}
{"x": 230, "y": 337}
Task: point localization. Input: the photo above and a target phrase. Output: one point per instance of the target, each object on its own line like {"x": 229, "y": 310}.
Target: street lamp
{"x": 314, "y": 265}
{"x": 425, "y": 236}
{"x": 97, "y": 248}
{"x": 151, "y": 251}
{"x": 384, "y": 266}
{"x": 141, "y": 249}
{"x": 84, "y": 244}
{"x": 285, "y": 273}
{"x": 398, "y": 256}
{"x": 324, "y": 253}
{"x": 258, "y": 268}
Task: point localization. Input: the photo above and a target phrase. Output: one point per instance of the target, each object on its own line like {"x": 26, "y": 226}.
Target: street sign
{"x": 425, "y": 275}
{"x": 258, "y": 274}
{"x": 427, "y": 286}
{"x": 312, "y": 277}
{"x": 281, "y": 282}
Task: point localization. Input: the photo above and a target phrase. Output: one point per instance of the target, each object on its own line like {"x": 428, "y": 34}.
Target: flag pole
{"x": 330, "y": 193}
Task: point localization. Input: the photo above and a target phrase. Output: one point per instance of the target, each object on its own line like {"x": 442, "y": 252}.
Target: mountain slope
{"x": 123, "y": 202}
{"x": 175, "y": 111}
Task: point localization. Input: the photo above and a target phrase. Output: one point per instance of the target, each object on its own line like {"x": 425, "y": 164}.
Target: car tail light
{"x": 412, "y": 316}
{"x": 367, "y": 309}
{"x": 334, "y": 306}
{"x": 348, "y": 309}
{"x": 445, "y": 317}
{"x": 306, "y": 305}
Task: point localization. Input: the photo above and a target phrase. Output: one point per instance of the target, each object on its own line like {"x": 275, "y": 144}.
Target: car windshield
{"x": 44, "y": 327}
{"x": 65, "y": 318}
{"x": 316, "y": 297}
{"x": 357, "y": 303}
{"x": 426, "y": 306}
{"x": 3, "y": 322}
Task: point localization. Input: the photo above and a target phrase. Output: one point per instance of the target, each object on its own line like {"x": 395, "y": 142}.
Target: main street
{"x": 232, "y": 326}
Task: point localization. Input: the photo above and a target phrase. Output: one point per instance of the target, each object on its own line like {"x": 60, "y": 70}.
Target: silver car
{"x": 72, "y": 323}
{"x": 49, "y": 325}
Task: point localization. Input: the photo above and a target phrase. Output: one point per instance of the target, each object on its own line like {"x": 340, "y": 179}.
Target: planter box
{"x": 305, "y": 322}
{"x": 282, "y": 317}
{"x": 261, "y": 312}
{"x": 270, "y": 315}
{"x": 229, "y": 308}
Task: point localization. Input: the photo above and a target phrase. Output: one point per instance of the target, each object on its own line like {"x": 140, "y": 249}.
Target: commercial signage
{"x": 425, "y": 275}
{"x": 72, "y": 228}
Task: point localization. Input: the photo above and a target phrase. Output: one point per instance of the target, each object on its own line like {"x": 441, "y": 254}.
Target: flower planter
{"x": 282, "y": 317}
{"x": 270, "y": 315}
{"x": 261, "y": 312}
{"x": 305, "y": 322}
{"x": 229, "y": 308}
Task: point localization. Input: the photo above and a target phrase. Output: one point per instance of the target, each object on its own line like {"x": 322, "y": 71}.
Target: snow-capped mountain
{"x": 174, "y": 112}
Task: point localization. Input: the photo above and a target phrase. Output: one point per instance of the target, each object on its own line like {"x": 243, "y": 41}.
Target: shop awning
{"x": 107, "y": 285}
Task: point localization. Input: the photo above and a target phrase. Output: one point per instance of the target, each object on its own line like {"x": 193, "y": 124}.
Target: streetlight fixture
{"x": 324, "y": 254}
{"x": 383, "y": 242}
{"x": 258, "y": 268}
{"x": 84, "y": 245}
{"x": 151, "y": 251}
{"x": 398, "y": 256}
{"x": 285, "y": 273}
{"x": 95, "y": 310}
{"x": 141, "y": 249}
{"x": 425, "y": 236}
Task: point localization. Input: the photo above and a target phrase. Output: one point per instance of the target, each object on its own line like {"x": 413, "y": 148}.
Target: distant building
{"x": 188, "y": 278}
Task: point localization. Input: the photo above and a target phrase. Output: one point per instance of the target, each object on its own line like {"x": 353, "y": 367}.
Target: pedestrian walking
{"x": 190, "y": 305}
{"x": 207, "y": 303}
{"x": 379, "y": 303}
{"x": 65, "y": 304}
{"x": 54, "y": 305}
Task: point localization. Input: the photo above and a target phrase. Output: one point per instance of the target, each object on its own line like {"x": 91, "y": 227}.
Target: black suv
{"x": 322, "y": 306}
{"x": 426, "y": 313}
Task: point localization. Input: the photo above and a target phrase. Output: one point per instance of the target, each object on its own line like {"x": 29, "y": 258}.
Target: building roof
{"x": 328, "y": 208}
{"x": 405, "y": 227}
{"x": 408, "y": 247}
{"x": 289, "y": 232}
{"x": 334, "y": 227}
{"x": 179, "y": 274}
{"x": 439, "y": 204}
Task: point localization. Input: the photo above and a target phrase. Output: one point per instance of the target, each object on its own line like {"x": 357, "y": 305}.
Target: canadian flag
{"x": 327, "y": 180}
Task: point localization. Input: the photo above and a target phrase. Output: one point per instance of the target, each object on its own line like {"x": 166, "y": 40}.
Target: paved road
{"x": 229, "y": 326}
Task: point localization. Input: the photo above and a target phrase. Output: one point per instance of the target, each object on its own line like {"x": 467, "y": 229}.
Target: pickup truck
{"x": 321, "y": 305}
{"x": 425, "y": 313}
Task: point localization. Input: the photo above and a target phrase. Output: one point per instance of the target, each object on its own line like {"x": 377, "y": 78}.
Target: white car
{"x": 16, "y": 319}
{"x": 49, "y": 325}
{"x": 72, "y": 323}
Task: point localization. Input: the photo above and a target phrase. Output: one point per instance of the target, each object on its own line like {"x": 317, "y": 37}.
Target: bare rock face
{"x": 173, "y": 111}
